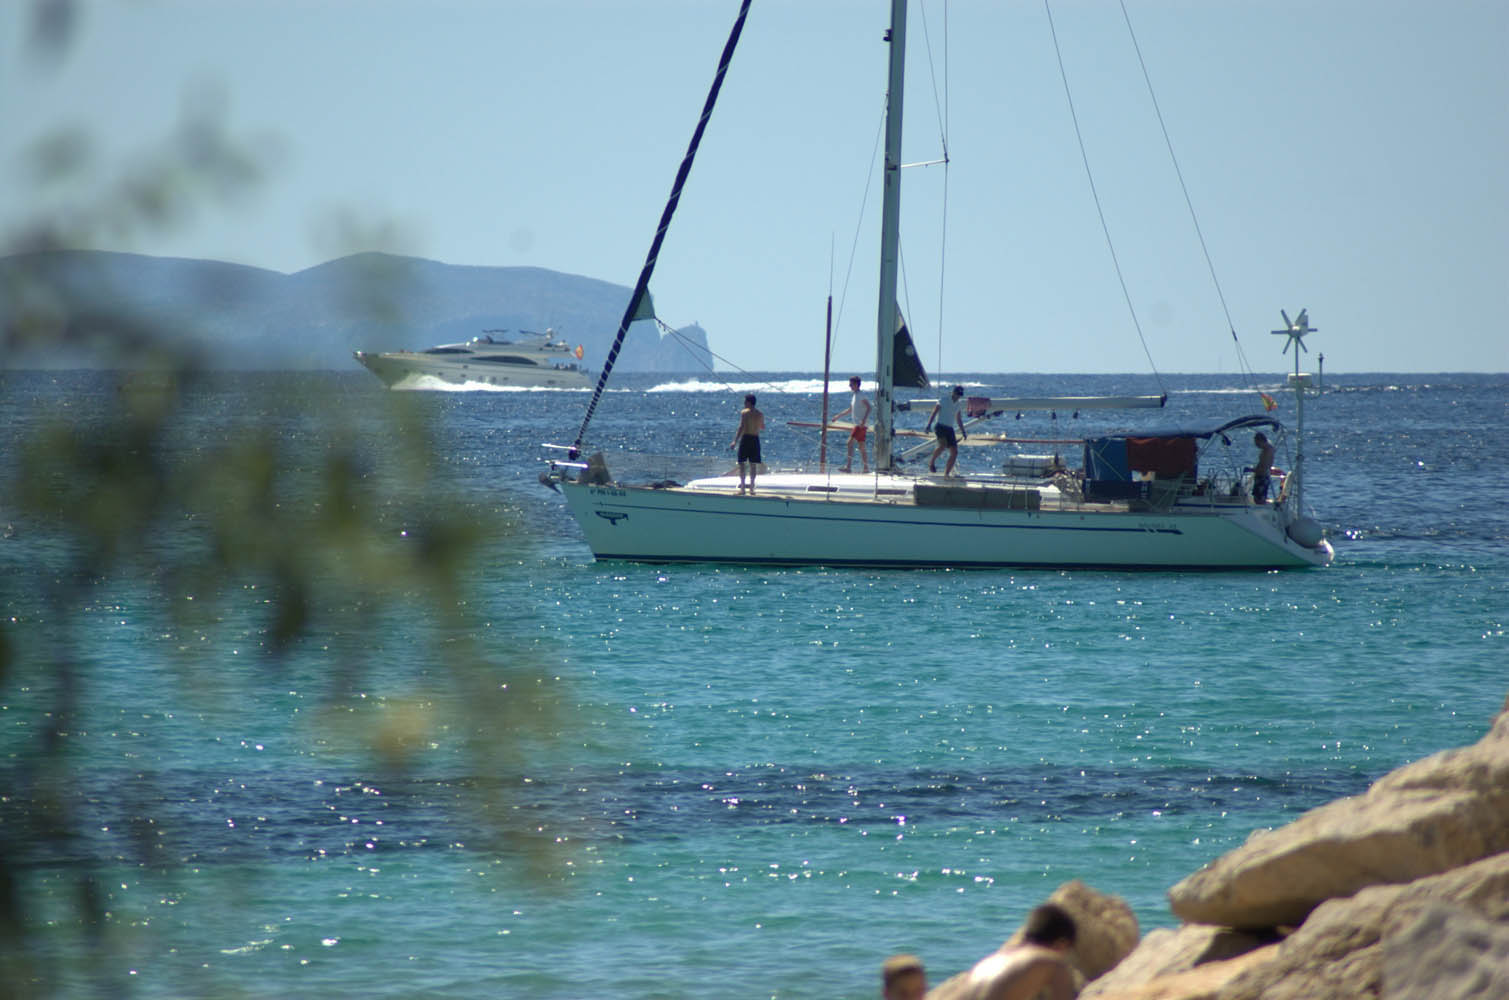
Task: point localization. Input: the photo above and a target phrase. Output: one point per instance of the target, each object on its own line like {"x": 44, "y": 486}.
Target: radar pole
{"x": 1296, "y": 330}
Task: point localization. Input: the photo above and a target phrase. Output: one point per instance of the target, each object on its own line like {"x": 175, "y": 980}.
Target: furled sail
{"x": 908, "y": 366}
{"x": 640, "y": 306}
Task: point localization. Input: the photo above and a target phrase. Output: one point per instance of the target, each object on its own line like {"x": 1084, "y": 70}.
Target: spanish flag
{"x": 1268, "y": 403}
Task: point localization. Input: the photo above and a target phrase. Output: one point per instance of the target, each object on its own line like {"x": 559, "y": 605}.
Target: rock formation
{"x": 1428, "y": 817}
{"x": 1400, "y": 892}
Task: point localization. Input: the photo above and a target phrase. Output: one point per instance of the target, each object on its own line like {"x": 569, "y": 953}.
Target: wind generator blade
{"x": 1295, "y": 330}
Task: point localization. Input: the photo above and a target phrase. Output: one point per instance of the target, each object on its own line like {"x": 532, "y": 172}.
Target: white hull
{"x": 400, "y": 367}
{"x": 531, "y": 362}
{"x": 864, "y": 523}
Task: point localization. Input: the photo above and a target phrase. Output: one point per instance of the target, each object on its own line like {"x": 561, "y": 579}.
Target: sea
{"x": 561, "y": 778}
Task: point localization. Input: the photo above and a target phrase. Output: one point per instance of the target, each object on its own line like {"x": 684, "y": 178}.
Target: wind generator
{"x": 1296, "y": 330}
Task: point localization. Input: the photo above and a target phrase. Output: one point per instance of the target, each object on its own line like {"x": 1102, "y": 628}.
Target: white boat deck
{"x": 952, "y": 491}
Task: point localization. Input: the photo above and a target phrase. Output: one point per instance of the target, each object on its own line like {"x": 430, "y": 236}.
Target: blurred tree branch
{"x": 334, "y": 536}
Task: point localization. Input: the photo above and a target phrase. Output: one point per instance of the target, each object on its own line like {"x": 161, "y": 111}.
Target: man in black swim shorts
{"x": 747, "y": 441}
{"x": 947, "y": 413}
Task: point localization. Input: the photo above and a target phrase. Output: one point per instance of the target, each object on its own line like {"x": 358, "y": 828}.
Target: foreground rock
{"x": 1396, "y": 894}
{"x": 1341, "y": 951}
{"x": 1385, "y": 931}
{"x": 1445, "y": 937}
{"x": 1447, "y": 810}
{"x": 1203, "y": 982}
{"x": 1184, "y": 961}
{"x": 1449, "y": 955}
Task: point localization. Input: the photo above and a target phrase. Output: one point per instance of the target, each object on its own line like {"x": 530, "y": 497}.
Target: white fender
{"x": 1306, "y": 531}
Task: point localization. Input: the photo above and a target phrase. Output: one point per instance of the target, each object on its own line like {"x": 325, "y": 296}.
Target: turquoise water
{"x": 732, "y": 782}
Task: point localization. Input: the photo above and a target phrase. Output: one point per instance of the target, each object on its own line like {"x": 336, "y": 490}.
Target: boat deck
{"x": 968, "y": 492}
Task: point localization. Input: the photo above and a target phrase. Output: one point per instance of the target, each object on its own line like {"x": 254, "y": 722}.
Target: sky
{"x": 1345, "y": 156}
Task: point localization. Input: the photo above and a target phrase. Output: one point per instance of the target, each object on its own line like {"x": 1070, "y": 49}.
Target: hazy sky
{"x": 1346, "y": 156}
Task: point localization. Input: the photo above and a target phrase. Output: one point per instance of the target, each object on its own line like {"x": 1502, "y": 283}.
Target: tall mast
{"x": 890, "y": 239}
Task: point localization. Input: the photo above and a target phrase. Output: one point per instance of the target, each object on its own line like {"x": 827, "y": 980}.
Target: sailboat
{"x": 1140, "y": 501}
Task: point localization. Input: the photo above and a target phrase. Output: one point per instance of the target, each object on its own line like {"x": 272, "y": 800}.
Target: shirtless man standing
{"x": 747, "y": 441}
{"x": 1035, "y": 967}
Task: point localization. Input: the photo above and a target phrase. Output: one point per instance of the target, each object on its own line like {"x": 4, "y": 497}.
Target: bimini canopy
{"x": 1164, "y": 455}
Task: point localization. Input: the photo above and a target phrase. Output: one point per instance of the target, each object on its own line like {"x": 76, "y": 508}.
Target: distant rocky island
{"x": 80, "y": 308}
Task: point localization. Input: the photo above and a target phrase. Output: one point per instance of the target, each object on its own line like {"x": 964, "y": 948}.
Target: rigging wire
{"x": 870, "y": 175}
{"x": 843, "y": 297}
{"x": 700, "y": 352}
{"x": 941, "y": 109}
{"x": 1220, "y": 294}
{"x": 1090, "y": 176}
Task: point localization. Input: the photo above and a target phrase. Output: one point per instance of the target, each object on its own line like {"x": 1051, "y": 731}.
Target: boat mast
{"x": 890, "y": 239}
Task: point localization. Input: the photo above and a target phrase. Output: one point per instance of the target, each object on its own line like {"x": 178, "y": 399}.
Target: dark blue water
{"x": 711, "y": 781}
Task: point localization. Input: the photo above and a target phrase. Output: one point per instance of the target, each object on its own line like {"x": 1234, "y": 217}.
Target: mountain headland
{"x": 79, "y": 308}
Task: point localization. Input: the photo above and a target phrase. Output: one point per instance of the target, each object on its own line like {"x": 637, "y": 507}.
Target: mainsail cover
{"x": 639, "y": 306}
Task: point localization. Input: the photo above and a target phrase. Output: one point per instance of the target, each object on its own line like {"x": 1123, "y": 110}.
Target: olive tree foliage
{"x": 283, "y": 545}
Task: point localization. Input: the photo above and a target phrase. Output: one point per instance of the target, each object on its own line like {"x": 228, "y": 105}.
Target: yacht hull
{"x": 694, "y": 525}
{"x": 407, "y": 366}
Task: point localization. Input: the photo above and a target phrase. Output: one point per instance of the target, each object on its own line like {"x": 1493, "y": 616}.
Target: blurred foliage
{"x": 334, "y": 536}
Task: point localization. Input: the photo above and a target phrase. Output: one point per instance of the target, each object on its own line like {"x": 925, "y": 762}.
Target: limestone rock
{"x": 1340, "y": 950}
{"x": 1448, "y": 953}
{"x": 1168, "y": 952}
{"x": 1203, "y": 982}
{"x": 1446, "y": 810}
